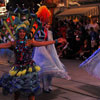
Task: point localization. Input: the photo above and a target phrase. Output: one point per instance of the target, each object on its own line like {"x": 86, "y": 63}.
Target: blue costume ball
{"x": 5, "y": 53}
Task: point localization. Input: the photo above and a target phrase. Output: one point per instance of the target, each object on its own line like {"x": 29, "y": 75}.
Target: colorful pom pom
{"x": 30, "y": 69}
{"x": 12, "y": 68}
{"x": 37, "y": 68}
{"x": 24, "y": 72}
{"x": 12, "y": 72}
{"x": 19, "y": 73}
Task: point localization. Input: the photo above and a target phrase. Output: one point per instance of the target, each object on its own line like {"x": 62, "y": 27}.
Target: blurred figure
{"x": 46, "y": 57}
{"x": 85, "y": 50}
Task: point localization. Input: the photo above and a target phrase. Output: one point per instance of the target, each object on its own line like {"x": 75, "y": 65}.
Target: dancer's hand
{"x": 61, "y": 40}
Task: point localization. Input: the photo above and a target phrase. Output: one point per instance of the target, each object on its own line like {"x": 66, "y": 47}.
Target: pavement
{"x": 82, "y": 86}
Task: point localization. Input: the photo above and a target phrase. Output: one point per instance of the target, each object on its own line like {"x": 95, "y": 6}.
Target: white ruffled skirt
{"x": 46, "y": 57}
{"x": 92, "y": 64}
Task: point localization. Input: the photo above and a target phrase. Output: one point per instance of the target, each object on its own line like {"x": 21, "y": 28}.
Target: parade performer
{"x": 23, "y": 77}
{"x": 92, "y": 64}
{"x": 46, "y": 56}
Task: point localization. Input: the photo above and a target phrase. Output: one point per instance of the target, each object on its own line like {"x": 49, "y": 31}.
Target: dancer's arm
{"x": 44, "y": 43}
{"x": 5, "y": 45}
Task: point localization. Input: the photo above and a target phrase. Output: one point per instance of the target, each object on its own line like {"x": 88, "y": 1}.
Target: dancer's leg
{"x": 49, "y": 82}
{"x": 45, "y": 84}
{"x": 16, "y": 95}
{"x": 31, "y": 97}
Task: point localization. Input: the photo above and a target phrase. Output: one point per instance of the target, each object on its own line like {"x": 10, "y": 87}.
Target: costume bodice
{"x": 23, "y": 53}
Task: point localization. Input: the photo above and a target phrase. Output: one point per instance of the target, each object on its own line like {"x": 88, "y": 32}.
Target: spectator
{"x": 93, "y": 36}
{"x": 85, "y": 50}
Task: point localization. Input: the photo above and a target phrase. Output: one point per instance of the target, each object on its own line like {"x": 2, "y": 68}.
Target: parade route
{"x": 82, "y": 86}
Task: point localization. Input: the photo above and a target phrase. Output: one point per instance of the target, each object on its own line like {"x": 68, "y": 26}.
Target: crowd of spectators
{"x": 4, "y": 34}
{"x": 83, "y": 37}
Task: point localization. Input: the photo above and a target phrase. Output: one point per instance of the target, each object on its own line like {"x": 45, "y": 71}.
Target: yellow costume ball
{"x": 37, "y": 68}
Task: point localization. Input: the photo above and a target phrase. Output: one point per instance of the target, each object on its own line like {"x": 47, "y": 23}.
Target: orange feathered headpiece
{"x": 44, "y": 14}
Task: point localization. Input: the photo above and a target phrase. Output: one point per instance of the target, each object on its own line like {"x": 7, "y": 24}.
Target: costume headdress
{"x": 44, "y": 14}
{"x": 30, "y": 24}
